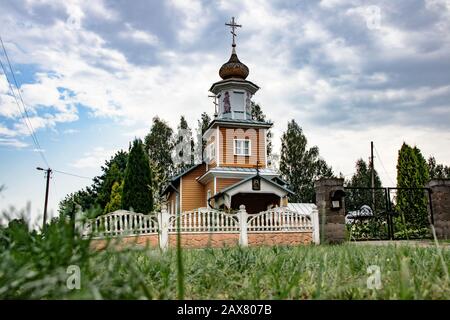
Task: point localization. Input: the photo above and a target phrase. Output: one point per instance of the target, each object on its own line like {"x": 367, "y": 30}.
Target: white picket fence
{"x": 203, "y": 220}
{"x": 279, "y": 219}
{"x": 120, "y": 223}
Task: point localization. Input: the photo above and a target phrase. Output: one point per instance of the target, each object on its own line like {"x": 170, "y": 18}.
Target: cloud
{"x": 14, "y": 143}
{"x": 139, "y": 36}
{"x": 71, "y": 131}
{"x": 319, "y": 63}
{"x": 93, "y": 159}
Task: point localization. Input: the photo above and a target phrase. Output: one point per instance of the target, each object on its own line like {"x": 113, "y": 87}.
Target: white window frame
{"x": 234, "y": 105}
{"x": 249, "y": 147}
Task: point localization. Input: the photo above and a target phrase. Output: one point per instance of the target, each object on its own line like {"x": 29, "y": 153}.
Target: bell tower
{"x": 234, "y": 140}
{"x": 234, "y": 92}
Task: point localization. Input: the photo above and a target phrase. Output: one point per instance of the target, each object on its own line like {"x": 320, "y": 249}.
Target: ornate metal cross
{"x": 233, "y": 26}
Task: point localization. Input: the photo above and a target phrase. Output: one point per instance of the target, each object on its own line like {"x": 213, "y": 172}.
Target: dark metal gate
{"x": 388, "y": 213}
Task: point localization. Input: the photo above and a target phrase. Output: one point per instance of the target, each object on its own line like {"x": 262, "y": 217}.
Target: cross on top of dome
{"x": 233, "y": 68}
{"x": 233, "y": 26}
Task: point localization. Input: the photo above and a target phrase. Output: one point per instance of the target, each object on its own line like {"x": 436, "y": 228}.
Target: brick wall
{"x": 213, "y": 240}
{"x": 119, "y": 243}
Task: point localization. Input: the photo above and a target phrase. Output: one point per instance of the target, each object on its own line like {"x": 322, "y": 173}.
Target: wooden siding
{"x": 193, "y": 192}
{"x": 226, "y": 145}
{"x": 223, "y": 183}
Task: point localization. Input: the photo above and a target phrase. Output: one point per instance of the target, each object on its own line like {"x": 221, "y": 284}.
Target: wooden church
{"x": 235, "y": 168}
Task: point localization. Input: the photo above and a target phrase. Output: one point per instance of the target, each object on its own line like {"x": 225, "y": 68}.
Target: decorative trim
{"x": 218, "y": 146}
{"x": 181, "y": 194}
{"x": 265, "y": 145}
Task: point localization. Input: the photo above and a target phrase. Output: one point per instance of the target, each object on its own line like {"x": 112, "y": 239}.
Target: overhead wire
{"x": 24, "y": 114}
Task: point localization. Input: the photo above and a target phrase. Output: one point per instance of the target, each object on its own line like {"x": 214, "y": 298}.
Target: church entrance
{"x": 255, "y": 202}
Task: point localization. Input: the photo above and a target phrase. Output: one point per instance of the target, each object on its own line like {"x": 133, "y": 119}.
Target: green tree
{"x": 258, "y": 115}
{"x": 301, "y": 166}
{"x": 84, "y": 198}
{"x": 412, "y": 172}
{"x": 183, "y": 137}
{"x": 355, "y": 198}
{"x": 203, "y": 124}
{"x": 137, "y": 188}
{"x": 95, "y": 197}
{"x": 112, "y": 171}
{"x": 115, "y": 203}
{"x": 159, "y": 146}
{"x": 437, "y": 171}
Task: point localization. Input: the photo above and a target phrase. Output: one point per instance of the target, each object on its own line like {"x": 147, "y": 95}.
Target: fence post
{"x": 163, "y": 227}
{"x": 315, "y": 225}
{"x": 242, "y": 216}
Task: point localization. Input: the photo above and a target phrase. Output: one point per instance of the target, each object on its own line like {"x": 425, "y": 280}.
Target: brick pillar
{"x": 331, "y": 220}
{"x": 440, "y": 201}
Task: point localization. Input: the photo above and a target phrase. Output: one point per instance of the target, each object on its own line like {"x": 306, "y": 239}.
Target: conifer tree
{"x": 203, "y": 124}
{"x": 355, "y": 198}
{"x": 301, "y": 166}
{"x": 113, "y": 171}
{"x": 137, "y": 188}
{"x": 184, "y": 144}
{"x": 159, "y": 146}
{"x": 437, "y": 171}
{"x": 115, "y": 201}
{"x": 412, "y": 172}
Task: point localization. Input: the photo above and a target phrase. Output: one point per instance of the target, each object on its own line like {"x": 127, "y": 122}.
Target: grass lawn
{"x": 34, "y": 266}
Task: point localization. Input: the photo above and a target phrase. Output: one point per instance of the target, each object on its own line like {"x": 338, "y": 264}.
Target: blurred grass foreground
{"x": 56, "y": 263}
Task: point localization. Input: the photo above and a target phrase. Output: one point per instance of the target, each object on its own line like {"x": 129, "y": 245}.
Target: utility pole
{"x": 372, "y": 172}
{"x": 48, "y": 172}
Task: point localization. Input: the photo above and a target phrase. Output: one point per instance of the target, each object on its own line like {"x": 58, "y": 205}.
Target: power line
{"x": 26, "y": 117}
{"x": 384, "y": 168}
{"x": 73, "y": 174}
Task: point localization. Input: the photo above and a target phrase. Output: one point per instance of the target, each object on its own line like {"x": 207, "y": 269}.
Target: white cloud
{"x": 93, "y": 159}
{"x": 139, "y": 36}
{"x": 15, "y": 143}
{"x": 193, "y": 16}
{"x": 302, "y": 62}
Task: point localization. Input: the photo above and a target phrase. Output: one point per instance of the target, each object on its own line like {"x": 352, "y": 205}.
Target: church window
{"x": 238, "y": 104}
{"x": 242, "y": 147}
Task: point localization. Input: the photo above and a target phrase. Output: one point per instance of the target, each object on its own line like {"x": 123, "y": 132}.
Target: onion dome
{"x": 233, "y": 68}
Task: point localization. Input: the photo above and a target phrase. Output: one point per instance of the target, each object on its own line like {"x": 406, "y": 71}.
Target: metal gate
{"x": 388, "y": 213}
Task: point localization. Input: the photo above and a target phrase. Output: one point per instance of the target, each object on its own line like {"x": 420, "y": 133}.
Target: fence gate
{"x": 388, "y": 213}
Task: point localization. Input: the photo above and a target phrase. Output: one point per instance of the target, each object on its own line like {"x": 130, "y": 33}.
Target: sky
{"x": 93, "y": 74}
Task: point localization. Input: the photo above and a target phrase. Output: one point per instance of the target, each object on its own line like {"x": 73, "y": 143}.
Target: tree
{"x": 203, "y": 124}
{"x": 137, "y": 188}
{"x": 355, "y": 198}
{"x": 113, "y": 171}
{"x": 258, "y": 115}
{"x": 95, "y": 197}
{"x": 412, "y": 172}
{"x": 300, "y": 166}
{"x": 437, "y": 171}
{"x": 184, "y": 144}
{"x": 84, "y": 198}
{"x": 115, "y": 201}
{"x": 159, "y": 146}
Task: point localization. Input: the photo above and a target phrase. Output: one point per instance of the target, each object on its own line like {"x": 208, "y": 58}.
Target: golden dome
{"x": 233, "y": 68}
